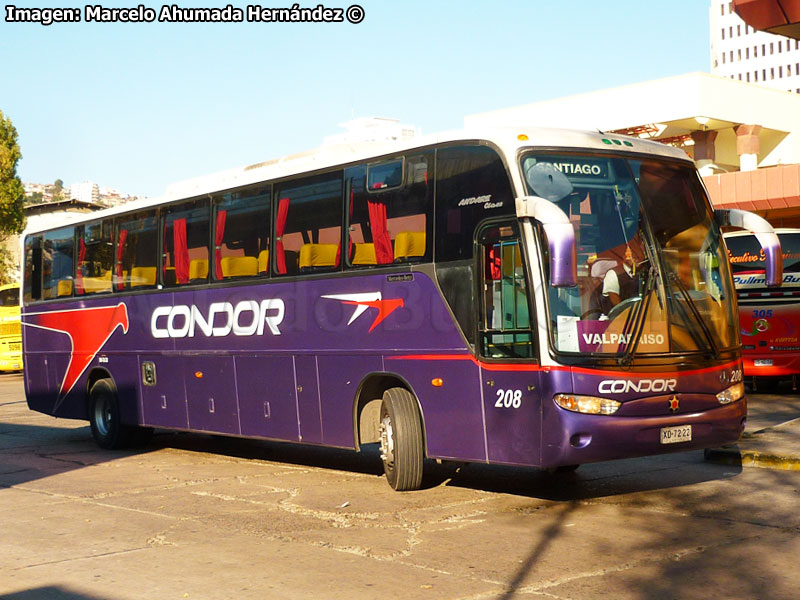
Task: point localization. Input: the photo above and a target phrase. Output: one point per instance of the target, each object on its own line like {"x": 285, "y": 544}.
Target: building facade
{"x": 740, "y": 52}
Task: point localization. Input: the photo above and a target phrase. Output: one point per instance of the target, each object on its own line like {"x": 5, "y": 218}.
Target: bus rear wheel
{"x": 108, "y": 430}
{"x": 401, "y": 441}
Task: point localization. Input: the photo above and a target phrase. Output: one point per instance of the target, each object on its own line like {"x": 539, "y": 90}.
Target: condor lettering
{"x": 244, "y": 319}
{"x": 643, "y": 386}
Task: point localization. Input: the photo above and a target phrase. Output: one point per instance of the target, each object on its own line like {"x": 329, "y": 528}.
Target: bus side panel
{"x": 40, "y": 392}
{"x": 308, "y": 399}
{"x": 267, "y": 400}
{"x": 211, "y": 394}
{"x": 164, "y": 400}
{"x": 339, "y": 378}
{"x": 45, "y": 372}
{"x": 452, "y": 412}
{"x": 513, "y": 406}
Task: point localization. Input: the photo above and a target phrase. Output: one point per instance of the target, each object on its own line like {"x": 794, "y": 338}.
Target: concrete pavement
{"x": 772, "y": 436}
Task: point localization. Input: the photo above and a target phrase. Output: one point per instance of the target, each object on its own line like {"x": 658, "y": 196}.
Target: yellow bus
{"x": 10, "y": 329}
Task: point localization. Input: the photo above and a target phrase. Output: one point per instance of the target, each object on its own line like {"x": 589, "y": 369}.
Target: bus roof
{"x": 509, "y": 139}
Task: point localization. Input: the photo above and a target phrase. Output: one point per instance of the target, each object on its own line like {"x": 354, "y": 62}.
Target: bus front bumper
{"x": 582, "y": 438}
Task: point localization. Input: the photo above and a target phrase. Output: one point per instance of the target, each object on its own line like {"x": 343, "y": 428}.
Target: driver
{"x": 619, "y": 283}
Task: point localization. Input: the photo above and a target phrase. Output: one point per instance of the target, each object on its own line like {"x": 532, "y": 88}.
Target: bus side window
{"x": 471, "y": 185}
{"x": 95, "y": 260}
{"x": 389, "y": 218}
{"x": 58, "y": 256}
{"x": 136, "y": 259}
{"x": 33, "y": 269}
{"x": 241, "y": 233}
{"x": 186, "y": 234}
{"x": 308, "y": 225}
{"x": 505, "y": 315}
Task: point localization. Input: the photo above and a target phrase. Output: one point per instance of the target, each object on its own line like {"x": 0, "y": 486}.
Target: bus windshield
{"x": 747, "y": 258}
{"x": 652, "y": 274}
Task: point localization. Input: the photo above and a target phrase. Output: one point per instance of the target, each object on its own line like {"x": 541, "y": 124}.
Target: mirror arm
{"x": 765, "y": 234}
{"x": 560, "y": 238}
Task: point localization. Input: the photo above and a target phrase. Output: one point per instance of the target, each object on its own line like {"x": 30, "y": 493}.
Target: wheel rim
{"x": 102, "y": 415}
{"x": 387, "y": 442}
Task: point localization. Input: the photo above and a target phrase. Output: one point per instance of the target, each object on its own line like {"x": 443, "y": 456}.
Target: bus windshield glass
{"x": 652, "y": 274}
{"x": 747, "y": 258}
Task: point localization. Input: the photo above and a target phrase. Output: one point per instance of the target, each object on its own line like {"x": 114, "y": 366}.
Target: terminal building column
{"x": 704, "y": 151}
{"x": 747, "y": 146}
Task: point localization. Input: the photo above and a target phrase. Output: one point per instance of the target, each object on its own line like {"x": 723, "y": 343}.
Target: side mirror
{"x": 560, "y": 238}
{"x": 765, "y": 234}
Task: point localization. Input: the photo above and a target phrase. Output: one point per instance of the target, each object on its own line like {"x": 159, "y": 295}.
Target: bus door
{"x": 509, "y": 369}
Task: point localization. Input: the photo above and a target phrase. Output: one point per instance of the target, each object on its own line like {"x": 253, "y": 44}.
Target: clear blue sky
{"x": 137, "y": 106}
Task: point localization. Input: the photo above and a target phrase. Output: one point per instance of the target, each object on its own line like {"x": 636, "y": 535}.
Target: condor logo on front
{"x": 622, "y": 386}
{"x": 244, "y": 318}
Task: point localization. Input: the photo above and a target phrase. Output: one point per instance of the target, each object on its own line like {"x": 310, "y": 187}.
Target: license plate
{"x": 675, "y": 435}
{"x": 762, "y": 362}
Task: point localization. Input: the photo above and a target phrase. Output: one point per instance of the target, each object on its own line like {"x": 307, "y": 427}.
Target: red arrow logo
{"x": 88, "y": 329}
{"x": 369, "y": 300}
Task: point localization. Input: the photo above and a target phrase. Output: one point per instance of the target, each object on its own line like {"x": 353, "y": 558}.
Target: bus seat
{"x": 96, "y": 285}
{"x": 65, "y": 287}
{"x": 364, "y": 254}
{"x": 143, "y": 276}
{"x": 198, "y": 269}
{"x": 409, "y": 244}
{"x": 239, "y": 266}
{"x": 318, "y": 255}
{"x": 263, "y": 261}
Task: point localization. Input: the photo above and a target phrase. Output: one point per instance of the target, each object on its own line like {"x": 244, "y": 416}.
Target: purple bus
{"x": 534, "y": 297}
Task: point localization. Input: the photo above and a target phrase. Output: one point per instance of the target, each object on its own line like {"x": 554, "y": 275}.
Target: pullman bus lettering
{"x": 245, "y": 318}
{"x": 621, "y": 386}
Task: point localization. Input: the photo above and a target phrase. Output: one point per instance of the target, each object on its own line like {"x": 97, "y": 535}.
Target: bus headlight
{"x": 731, "y": 394}
{"x": 590, "y": 405}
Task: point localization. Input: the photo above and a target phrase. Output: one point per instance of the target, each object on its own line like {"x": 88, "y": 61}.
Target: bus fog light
{"x": 590, "y": 405}
{"x": 732, "y": 394}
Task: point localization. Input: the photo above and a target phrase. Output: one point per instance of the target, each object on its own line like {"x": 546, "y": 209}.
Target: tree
{"x": 12, "y": 194}
{"x": 58, "y": 190}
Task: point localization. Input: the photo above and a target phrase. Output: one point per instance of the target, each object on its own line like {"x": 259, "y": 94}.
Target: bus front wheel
{"x": 401, "y": 440}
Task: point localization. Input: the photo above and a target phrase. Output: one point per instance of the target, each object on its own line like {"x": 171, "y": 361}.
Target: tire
{"x": 108, "y": 430}
{"x": 401, "y": 441}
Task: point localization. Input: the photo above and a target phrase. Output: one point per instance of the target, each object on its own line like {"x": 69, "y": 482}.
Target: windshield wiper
{"x": 696, "y": 313}
{"x": 637, "y": 319}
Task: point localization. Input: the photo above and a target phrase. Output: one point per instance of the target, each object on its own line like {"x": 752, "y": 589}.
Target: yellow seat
{"x": 263, "y": 261}
{"x": 409, "y": 244}
{"x": 143, "y": 276}
{"x": 198, "y": 269}
{"x": 65, "y": 287}
{"x": 239, "y": 266}
{"x": 318, "y": 255}
{"x": 364, "y": 254}
{"x": 96, "y": 285}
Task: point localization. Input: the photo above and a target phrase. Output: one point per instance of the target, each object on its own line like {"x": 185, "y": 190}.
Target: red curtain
{"x": 218, "y": 236}
{"x": 79, "y": 270}
{"x": 280, "y": 226}
{"x": 493, "y": 266}
{"x": 380, "y": 233}
{"x": 123, "y": 236}
{"x": 180, "y": 251}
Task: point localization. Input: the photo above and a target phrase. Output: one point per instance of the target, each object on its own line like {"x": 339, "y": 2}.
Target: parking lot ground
{"x": 204, "y": 517}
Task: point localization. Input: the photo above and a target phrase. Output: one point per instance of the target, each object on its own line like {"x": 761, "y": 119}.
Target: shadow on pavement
{"x": 49, "y": 593}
